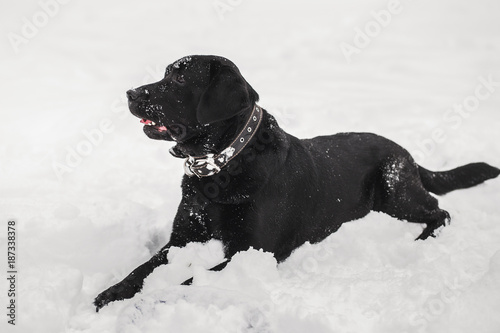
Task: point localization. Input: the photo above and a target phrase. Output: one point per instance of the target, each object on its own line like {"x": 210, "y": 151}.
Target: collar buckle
{"x": 203, "y": 166}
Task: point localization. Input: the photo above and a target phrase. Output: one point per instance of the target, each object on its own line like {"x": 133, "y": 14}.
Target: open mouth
{"x": 152, "y": 124}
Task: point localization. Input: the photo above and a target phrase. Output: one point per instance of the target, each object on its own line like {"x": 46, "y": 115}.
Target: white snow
{"x": 93, "y": 197}
{"x": 182, "y": 61}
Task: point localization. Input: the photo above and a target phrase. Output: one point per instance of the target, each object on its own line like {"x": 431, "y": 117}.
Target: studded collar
{"x": 210, "y": 164}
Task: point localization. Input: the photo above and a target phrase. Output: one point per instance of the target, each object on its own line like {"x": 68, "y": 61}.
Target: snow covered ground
{"x": 93, "y": 197}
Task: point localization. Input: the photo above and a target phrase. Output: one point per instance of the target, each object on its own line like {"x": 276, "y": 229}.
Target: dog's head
{"x": 198, "y": 96}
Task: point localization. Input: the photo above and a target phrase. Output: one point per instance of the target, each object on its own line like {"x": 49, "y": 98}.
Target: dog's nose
{"x": 134, "y": 94}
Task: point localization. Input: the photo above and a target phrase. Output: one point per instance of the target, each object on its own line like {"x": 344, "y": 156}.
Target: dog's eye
{"x": 179, "y": 78}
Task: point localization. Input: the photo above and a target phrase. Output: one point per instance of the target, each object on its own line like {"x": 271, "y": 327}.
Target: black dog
{"x": 250, "y": 184}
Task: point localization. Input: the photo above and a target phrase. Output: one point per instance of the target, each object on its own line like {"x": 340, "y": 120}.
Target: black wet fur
{"x": 280, "y": 192}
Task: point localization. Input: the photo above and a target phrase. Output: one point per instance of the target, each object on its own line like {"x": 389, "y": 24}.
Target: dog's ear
{"x": 227, "y": 94}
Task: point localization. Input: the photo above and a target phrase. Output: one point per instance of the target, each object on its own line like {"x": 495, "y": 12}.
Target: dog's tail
{"x": 462, "y": 177}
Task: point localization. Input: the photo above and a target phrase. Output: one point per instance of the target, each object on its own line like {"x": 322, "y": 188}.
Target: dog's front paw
{"x": 122, "y": 290}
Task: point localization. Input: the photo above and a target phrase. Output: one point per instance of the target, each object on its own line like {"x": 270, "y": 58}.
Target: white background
{"x": 93, "y": 197}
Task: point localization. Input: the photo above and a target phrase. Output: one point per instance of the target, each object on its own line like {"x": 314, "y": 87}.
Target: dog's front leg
{"x": 188, "y": 227}
{"x": 132, "y": 284}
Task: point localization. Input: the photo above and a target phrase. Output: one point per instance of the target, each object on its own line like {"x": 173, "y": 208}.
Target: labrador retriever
{"x": 248, "y": 183}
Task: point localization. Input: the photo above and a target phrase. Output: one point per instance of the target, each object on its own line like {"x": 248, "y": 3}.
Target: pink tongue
{"x": 147, "y": 122}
